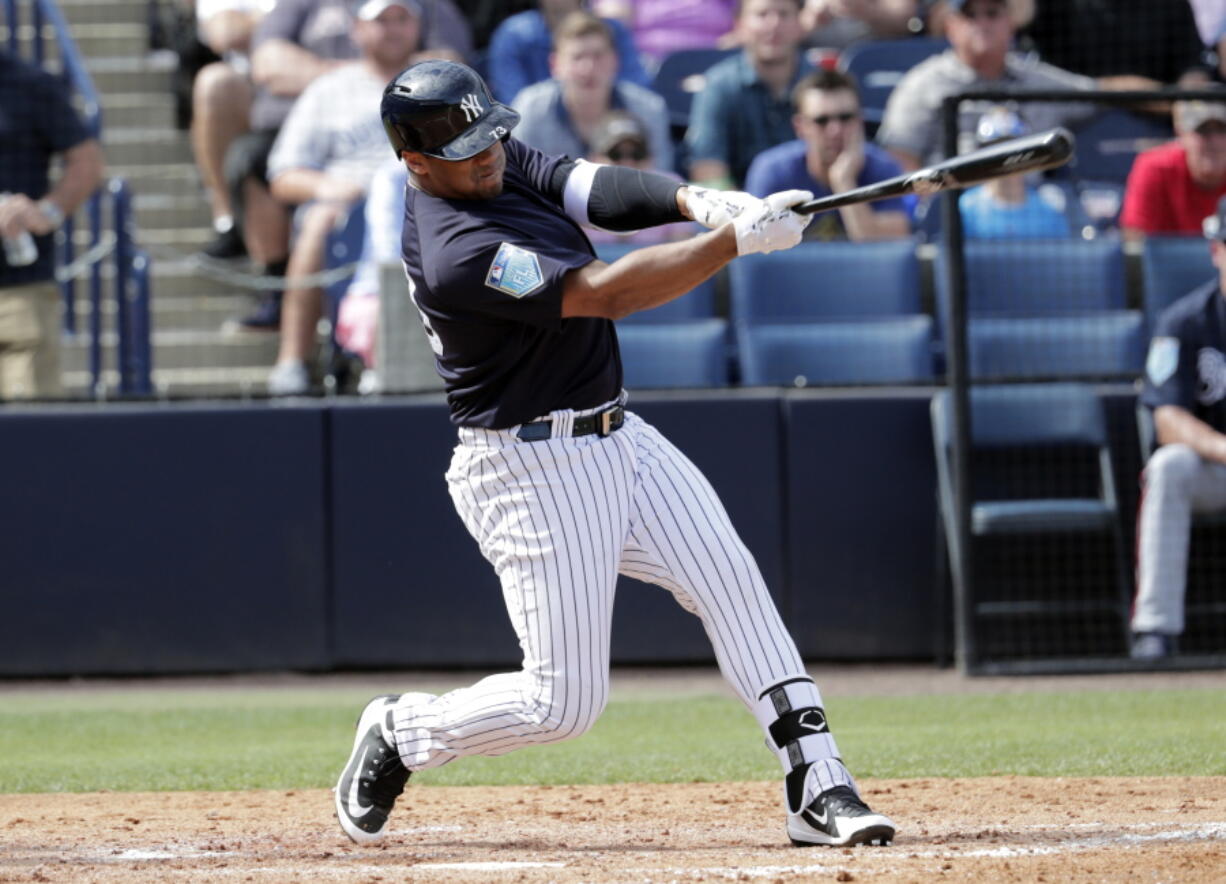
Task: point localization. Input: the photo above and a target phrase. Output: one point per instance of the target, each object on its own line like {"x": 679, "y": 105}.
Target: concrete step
{"x": 143, "y": 73}
{"x": 113, "y": 37}
{"x": 139, "y": 109}
{"x": 155, "y": 211}
{"x": 187, "y": 349}
{"x": 88, "y": 12}
{"x": 196, "y": 313}
{"x": 145, "y": 146}
{"x": 161, "y": 178}
{"x": 196, "y": 383}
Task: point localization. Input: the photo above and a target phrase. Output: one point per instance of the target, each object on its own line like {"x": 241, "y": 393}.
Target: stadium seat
{"x": 680, "y": 77}
{"x": 878, "y": 65}
{"x": 1109, "y": 141}
{"x": 1172, "y": 266}
{"x": 1034, "y": 277}
{"x": 871, "y": 351}
{"x": 1041, "y": 467}
{"x": 826, "y": 280}
{"x": 1103, "y": 345}
{"x": 675, "y": 354}
{"x": 698, "y": 303}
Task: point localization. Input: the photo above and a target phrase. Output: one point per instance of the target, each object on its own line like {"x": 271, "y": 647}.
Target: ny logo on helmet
{"x": 471, "y": 106}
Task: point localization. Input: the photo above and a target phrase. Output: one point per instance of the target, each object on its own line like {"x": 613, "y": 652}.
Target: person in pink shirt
{"x": 1174, "y": 187}
{"x": 663, "y": 26}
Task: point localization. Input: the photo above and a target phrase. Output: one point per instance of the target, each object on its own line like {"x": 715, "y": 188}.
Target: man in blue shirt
{"x": 1008, "y": 207}
{"x": 37, "y": 122}
{"x": 520, "y": 48}
{"x": 1185, "y": 387}
{"x": 832, "y": 156}
{"x": 562, "y": 487}
{"x": 746, "y": 105}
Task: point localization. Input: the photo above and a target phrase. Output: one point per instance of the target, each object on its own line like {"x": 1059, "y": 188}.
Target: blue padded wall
{"x": 861, "y": 517}
{"x": 142, "y": 540}
{"x": 411, "y": 587}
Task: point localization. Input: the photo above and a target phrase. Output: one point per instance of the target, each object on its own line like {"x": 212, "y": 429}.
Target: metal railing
{"x": 108, "y": 214}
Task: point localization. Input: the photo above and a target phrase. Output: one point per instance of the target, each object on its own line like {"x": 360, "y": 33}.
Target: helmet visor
{"x": 495, "y": 125}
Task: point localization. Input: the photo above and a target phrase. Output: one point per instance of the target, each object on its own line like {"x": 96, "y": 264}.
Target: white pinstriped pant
{"x": 559, "y": 519}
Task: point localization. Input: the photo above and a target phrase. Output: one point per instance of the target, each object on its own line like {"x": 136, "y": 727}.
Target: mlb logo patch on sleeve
{"x": 1162, "y": 360}
{"x": 515, "y": 271}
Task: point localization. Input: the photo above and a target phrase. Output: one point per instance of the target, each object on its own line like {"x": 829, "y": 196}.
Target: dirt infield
{"x": 992, "y": 829}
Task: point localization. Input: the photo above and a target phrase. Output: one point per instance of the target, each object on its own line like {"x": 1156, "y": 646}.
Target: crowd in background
{"x": 281, "y": 98}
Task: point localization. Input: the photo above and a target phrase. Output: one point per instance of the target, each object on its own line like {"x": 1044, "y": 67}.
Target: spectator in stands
{"x": 221, "y": 106}
{"x": 560, "y": 115}
{"x": 621, "y": 139}
{"x": 37, "y": 124}
{"x": 839, "y": 23}
{"x": 1184, "y": 387}
{"x": 1124, "y": 44}
{"x": 980, "y": 33}
{"x": 295, "y": 43}
{"x": 660, "y": 27}
{"x": 1171, "y": 188}
{"x": 1009, "y": 207}
{"x": 831, "y": 156}
{"x": 746, "y": 104}
{"x": 323, "y": 160}
{"x": 520, "y": 49}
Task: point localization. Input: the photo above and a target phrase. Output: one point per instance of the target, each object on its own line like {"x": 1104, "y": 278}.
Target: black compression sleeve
{"x": 626, "y": 199}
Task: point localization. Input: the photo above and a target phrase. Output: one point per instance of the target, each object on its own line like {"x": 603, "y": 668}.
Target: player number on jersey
{"x": 431, "y": 335}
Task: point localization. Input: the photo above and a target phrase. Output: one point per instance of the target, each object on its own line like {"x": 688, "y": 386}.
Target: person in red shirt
{"x": 1173, "y": 188}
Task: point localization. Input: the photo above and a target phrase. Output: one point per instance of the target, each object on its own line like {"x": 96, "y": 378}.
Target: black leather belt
{"x": 602, "y": 423}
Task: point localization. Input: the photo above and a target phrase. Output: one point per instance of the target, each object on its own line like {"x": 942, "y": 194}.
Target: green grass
{"x": 252, "y": 739}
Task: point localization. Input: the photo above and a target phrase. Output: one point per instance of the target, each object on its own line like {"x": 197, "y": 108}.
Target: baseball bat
{"x": 1045, "y": 150}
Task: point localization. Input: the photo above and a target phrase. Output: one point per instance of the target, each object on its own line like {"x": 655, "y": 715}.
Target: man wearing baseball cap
{"x": 323, "y": 161}
{"x": 1185, "y": 388}
{"x": 1173, "y": 187}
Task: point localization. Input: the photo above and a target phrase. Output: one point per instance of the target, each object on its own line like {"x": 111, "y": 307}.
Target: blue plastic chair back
{"x": 880, "y": 351}
{"x": 1028, "y": 415}
{"x": 697, "y": 303}
{"x": 1039, "y": 277}
{"x": 681, "y": 76}
{"x": 878, "y": 65}
{"x": 345, "y": 245}
{"x": 826, "y": 280}
{"x": 1104, "y": 345}
{"x": 1171, "y": 267}
{"x": 675, "y": 354}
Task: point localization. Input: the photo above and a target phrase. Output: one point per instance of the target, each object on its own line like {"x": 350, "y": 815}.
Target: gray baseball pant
{"x": 1178, "y": 482}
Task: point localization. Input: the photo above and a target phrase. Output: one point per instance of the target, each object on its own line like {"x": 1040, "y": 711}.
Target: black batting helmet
{"x": 443, "y": 109}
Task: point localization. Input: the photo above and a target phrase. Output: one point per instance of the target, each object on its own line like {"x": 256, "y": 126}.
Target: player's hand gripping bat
{"x": 1045, "y": 150}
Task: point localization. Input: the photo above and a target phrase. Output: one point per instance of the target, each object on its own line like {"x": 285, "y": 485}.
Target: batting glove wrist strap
{"x": 775, "y": 226}
{"x": 715, "y": 208}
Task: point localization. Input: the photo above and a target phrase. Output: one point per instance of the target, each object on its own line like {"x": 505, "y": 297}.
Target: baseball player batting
{"x": 561, "y": 486}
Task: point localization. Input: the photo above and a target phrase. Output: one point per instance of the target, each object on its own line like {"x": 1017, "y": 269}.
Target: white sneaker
{"x": 837, "y": 818}
{"x": 289, "y": 379}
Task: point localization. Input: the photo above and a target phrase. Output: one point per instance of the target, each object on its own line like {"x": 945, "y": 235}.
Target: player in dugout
{"x": 563, "y": 487}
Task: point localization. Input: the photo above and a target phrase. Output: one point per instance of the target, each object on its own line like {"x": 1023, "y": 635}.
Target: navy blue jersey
{"x": 487, "y": 278}
{"x": 36, "y": 122}
{"x": 1186, "y": 365}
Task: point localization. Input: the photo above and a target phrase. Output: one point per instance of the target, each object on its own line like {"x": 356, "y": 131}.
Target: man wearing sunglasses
{"x": 830, "y": 155}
